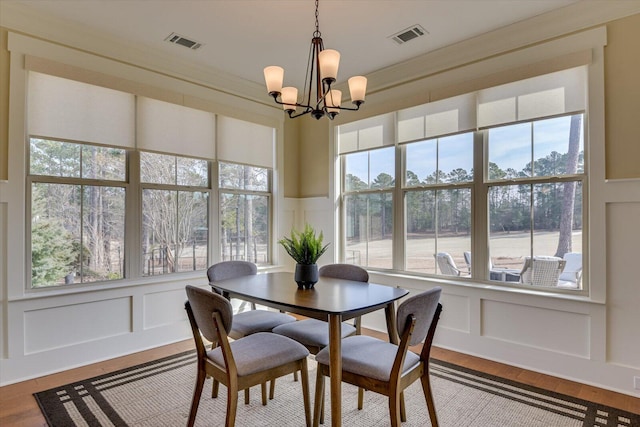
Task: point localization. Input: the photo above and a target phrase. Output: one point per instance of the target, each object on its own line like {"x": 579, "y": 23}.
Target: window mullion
{"x": 133, "y": 220}
{"x": 480, "y": 208}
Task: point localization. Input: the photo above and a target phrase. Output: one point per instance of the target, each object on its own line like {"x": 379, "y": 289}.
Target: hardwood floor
{"x": 18, "y": 407}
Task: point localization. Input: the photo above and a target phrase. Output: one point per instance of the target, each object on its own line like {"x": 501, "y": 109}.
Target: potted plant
{"x": 305, "y": 248}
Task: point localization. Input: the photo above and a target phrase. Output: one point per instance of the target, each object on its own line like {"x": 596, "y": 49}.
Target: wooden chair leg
{"x": 232, "y": 405}
{"x": 426, "y": 388}
{"x": 263, "y": 389}
{"x": 272, "y": 389}
{"x": 360, "y": 398}
{"x": 403, "y": 412}
{"x": 214, "y": 389}
{"x": 197, "y": 392}
{"x": 318, "y": 404}
{"x": 304, "y": 373}
{"x": 246, "y": 396}
{"x": 394, "y": 409}
{"x": 295, "y": 376}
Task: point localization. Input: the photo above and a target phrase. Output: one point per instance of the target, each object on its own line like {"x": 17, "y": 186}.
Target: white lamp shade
{"x": 329, "y": 62}
{"x": 333, "y": 99}
{"x": 357, "y": 88}
{"x": 289, "y": 97}
{"x": 273, "y": 76}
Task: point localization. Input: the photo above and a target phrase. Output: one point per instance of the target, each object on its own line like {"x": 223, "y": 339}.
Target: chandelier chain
{"x": 317, "y": 32}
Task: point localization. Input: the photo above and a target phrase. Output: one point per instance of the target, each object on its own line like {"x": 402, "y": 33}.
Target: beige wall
{"x": 622, "y": 104}
{"x": 291, "y": 169}
{"x": 4, "y": 103}
{"x": 306, "y": 157}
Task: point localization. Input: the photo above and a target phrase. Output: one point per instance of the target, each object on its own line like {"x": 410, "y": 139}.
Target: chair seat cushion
{"x": 260, "y": 352}
{"x": 312, "y": 332}
{"x": 252, "y": 321}
{"x": 369, "y": 357}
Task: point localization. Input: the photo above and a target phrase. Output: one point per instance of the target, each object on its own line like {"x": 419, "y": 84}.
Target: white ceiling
{"x": 241, "y": 37}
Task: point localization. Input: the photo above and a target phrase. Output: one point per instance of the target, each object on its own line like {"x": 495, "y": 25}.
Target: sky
{"x": 509, "y": 147}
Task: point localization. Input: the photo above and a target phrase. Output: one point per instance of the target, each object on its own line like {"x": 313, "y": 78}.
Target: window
{"x": 120, "y": 185}
{"x": 535, "y": 182}
{"x": 438, "y": 178}
{"x": 175, "y": 200}
{"x": 77, "y": 212}
{"x": 514, "y": 151}
{"x": 245, "y": 200}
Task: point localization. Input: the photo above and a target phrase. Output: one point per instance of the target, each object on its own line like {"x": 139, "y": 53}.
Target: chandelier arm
{"x": 274, "y": 77}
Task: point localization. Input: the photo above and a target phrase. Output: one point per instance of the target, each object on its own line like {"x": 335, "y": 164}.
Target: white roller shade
{"x": 172, "y": 128}
{"x": 71, "y": 110}
{"x": 365, "y": 134}
{"x": 543, "y": 96}
{"x": 447, "y": 116}
{"x": 245, "y": 142}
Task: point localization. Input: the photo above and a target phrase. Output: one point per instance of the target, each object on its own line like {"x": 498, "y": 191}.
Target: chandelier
{"x": 322, "y": 71}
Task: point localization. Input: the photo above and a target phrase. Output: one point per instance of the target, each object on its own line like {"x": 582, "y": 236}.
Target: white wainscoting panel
{"x": 623, "y": 284}
{"x": 61, "y": 326}
{"x": 163, "y": 308}
{"x": 553, "y": 330}
{"x": 455, "y": 313}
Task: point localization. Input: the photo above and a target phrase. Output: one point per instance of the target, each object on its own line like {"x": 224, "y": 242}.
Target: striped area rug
{"x": 159, "y": 393}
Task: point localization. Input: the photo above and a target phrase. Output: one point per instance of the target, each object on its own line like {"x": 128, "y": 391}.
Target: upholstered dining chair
{"x": 313, "y": 333}
{"x": 387, "y": 368}
{"x": 242, "y": 363}
{"x": 246, "y": 322}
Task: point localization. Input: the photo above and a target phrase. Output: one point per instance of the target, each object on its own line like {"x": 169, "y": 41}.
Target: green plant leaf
{"x": 304, "y": 247}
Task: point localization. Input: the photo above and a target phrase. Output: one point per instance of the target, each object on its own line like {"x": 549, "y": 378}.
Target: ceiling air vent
{"x": 183, "y": 41}
{"x": 408, "y": 34}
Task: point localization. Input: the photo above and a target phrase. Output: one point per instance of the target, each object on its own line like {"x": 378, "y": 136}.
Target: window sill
{"x": 579, "y": 296}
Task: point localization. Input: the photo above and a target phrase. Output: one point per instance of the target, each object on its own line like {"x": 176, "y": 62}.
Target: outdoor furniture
{"x": 572, "y": 273}
{"x": 388, "y": 368}
{"x": 496, "y": 273}
{"x": 542, "y": 270}
{"x": 279, "y": 290}
{"x": 243, "y": 363}
{"x": 447, "y": 265}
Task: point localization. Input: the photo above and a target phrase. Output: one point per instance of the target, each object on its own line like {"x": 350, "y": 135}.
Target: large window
{"x": 245, "y": 199}
{"x": 120, "y": 186}
{"x": 501, "y": 169}
{"x": 77, "y": 212}
{"x": 175, "y": 201}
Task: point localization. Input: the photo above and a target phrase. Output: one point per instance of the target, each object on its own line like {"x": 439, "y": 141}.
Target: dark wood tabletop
{"x": 328, "y": 296}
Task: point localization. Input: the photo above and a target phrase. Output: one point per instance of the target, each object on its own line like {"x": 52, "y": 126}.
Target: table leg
{"x": 335, "y": 368}
{"x": 392, "y": 328}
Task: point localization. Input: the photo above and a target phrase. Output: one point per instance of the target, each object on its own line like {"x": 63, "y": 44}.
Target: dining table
{"x": 332, "y": 300}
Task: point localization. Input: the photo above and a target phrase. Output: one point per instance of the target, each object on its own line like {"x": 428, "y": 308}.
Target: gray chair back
{"x": 230, "y": 270}
{"x": 203, "y": 304}
{"x": 422, "y": 306}
{"x": 344, "y": 271}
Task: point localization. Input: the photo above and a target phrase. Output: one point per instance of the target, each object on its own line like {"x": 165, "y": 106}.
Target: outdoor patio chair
{"x": 386, "y": 368}
{"x": 447, "y": 265}
{"x": 542, "y": 270}
{"x": 243, "y": 363}
{"x": 572, "y": 273}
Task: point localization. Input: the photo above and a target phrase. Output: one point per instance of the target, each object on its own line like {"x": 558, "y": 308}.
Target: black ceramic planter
{"x": 306, "y": 275}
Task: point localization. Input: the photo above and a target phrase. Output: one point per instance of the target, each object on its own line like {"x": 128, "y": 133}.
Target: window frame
{"x": 480, "y": 187}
